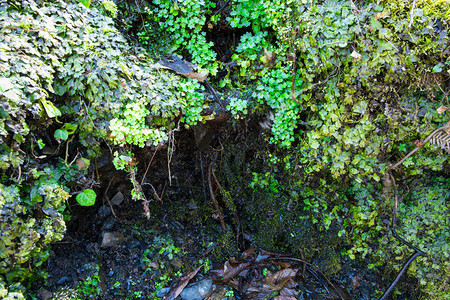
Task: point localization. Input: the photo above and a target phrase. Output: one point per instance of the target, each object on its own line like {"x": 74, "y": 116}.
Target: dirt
{"x": 184, "y": 219}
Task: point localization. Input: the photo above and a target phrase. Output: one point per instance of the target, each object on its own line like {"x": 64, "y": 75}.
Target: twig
{"x": 105, "y": 196}
{"x": 214, "y": 200}
{"x": 304, "y": 265}
{"x": 419, "y": 145}
{"x": 220, "y": 9}
{"x": 148, "y": 166}
{"x": 411, "y": 17}
{"x": 445, "y": 94}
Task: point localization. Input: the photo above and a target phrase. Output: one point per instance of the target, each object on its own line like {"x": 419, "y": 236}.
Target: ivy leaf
{"x": 86, "y": 198}
{"x": 51, "y": 110}
{"x": 61, "y": 134}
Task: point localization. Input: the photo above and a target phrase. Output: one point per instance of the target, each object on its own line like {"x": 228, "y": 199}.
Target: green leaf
{"x": 61, "y": 134}
{"x": 438, "y": 68}
{"x": 18, "y": 138}
{"x": 86, "y": 3}
{"x": 87, "y": 197}
{"x": 71, "y": 128}
{"x": 51, "y": 110}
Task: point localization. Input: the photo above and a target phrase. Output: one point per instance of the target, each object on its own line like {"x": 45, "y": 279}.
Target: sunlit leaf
{"x": 5, "y": 84}
{"x": 51, "y": 110}
{"x": 86, "y": 198}
{"x": 86, "y": 3}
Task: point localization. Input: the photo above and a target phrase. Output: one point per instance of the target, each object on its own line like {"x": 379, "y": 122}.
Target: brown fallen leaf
{"x": 282, "y": 264}
{"x": 248, "y": 252}
{"x": 230, "y": 271}
{"x": 218, "y": 271}
{"x": 289, "y": 289}
{"x": 278, "y": 280}
{"x": 442, "y": 109}
{"x": 176, "y": 291}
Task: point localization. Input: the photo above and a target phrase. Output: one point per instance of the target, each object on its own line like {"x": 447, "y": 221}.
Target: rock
{"x": 162, "y": 292}
{"x": 104, "y": 211}
{"x": 43, "y": 294}
{"x": 108, "y": 224}
{"x": 111, "y": 239}
{"x": 64, "y": 279}
{"x": 197, "y": 290}
{"x": 117, "y": 199}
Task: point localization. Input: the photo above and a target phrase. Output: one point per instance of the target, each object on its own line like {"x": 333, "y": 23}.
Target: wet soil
{"x": 145, "y": 257}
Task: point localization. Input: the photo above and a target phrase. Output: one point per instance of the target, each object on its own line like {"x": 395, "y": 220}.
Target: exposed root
{"x": 214, "y": 200}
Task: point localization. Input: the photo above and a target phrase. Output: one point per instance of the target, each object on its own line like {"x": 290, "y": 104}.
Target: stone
{"x": 162, "y": 292}
{"x": 197, "y": 290}
{"x": 108, "y": 224}
{"x": 117, "y": 199}
{"x": 104, "y": 211}
{"x": 43, "y": 294}
{"x": 64, "y": 279}
{"x": 111, "y": 239}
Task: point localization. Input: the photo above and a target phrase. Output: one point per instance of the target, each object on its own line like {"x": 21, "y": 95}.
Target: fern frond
{"x": 441, "y": 139}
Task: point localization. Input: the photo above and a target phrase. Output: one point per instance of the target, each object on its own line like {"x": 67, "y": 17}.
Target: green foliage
{"x": 184, "y": 21}
{"x": 157, "y": 261}
{"x": 31, "y": 218}
{"x": 61, "y": 61}
{"x": 237, "y": 106}
{"x": 110, "y": 7}
{"x": 90, "y": 287}
{"x": 423, "y": 221}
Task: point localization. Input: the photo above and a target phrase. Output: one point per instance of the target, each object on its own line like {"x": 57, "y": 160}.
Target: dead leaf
{"x": 176, "y": 291}
{"x": 278, "y": 280}
{"x": 442, "y": 109}
{"x": 355, "y": 56}
{"x": 289, "y": 289}
{"x": 82, "y": 163}
{"x": 217, "y": 271}
{"x": 230, "y": 271}
{"x": 197, "y": 76}
{"x": 269, "y": 57}
{"x": 248, "y": 252}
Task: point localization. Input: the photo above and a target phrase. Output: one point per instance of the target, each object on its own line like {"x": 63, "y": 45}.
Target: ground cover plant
{"x": 340, "y": 91}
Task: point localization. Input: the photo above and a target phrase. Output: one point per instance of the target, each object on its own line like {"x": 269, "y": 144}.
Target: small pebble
{"x": 104, "y": 211}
